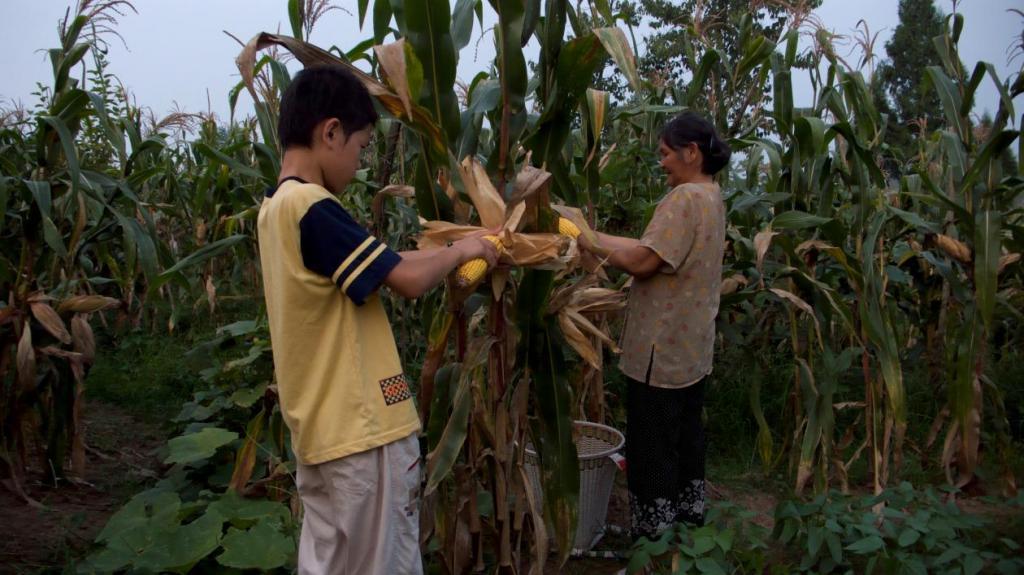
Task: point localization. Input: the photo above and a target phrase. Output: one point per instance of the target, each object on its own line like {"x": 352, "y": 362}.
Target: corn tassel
{"x": 470, "y": 272}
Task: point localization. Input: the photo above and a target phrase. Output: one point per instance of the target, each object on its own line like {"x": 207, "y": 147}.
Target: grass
{"x": 145, "y": 371}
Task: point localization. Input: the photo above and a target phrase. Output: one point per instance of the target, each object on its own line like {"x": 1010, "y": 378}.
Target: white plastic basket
{"x": 596, "y": 444}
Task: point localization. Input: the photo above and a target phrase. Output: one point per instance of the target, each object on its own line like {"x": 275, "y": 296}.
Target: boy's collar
{"x": 272, "y": 189}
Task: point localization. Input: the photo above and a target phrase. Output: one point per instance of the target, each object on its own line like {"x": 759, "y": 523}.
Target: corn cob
{"x": 567, "y": 228}
{"x": 470, "y": 272}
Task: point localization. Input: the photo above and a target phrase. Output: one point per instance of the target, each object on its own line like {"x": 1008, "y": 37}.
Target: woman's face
{"x": 680, "y": 166}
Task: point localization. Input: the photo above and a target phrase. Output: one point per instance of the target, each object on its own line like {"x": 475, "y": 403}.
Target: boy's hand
{"x": 475, "y": 246}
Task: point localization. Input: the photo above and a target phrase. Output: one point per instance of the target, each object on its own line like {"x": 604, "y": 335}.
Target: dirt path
{"x": 120, "y": 460}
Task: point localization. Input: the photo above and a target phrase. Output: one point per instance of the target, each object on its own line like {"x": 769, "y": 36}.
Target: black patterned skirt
{"x": 665, "y": 449}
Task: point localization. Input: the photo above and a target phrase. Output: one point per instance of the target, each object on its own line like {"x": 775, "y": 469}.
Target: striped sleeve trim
{"x": 336, "y": 247}
{"x": 351, "y": 277}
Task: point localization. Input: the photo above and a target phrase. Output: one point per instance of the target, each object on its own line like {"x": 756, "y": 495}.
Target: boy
{"x": 342, "y": 390}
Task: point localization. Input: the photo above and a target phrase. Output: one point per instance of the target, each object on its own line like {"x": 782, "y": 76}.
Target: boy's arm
{"x": 412, "y": 255}
{"x": 419, "y": 271}
{"x": 626, "y": 254}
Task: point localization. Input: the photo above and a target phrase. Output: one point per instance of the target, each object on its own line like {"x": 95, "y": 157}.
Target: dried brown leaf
{"x": 392, "y": 60}
{"x": 762, "y": 241}
{"x": 804, "y": 306}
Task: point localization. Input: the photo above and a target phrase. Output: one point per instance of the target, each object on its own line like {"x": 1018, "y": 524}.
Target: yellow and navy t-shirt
{"x": 339, "y": 376}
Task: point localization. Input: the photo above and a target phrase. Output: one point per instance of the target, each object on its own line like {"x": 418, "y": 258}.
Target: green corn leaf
{"x": 936, "y": 79}
{"x": 962, "y": 215}
{"x": 1005, "y": 99}
{"x": 987, "y": 237}
{"x": 462, "y": 23}
{"x": 427, "y": 27}
{"x": 797, "y": 220}
{"x": 615, "y": 42}
{"x": 755, "y": 54}
{"x": 708, "y": 61}
{"x": 363, "y": 6}
{"x": 68, "y": 60}
{"x": 197, "y": 257}
{"x": 782, "y": 98}
{"x": 114, "y": 136}
{"x": 983, "y": 163}
{"x": 382, "y": 15}
{"x": 811, "y": 133}
{"x": 70, "y": 149}
{"x": 914, "y": 220}
{"x": 295, "y": 17}
{"x": 443, "y": 457}
{"x": 222, "y": 158}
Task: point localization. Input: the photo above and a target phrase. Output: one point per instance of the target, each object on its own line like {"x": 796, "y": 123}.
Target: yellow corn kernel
{"x": 470, "y": 272}
{"x": 567, "y": 228}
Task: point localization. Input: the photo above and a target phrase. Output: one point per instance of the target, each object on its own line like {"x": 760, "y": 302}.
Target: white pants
{"x": 362, "y": 513}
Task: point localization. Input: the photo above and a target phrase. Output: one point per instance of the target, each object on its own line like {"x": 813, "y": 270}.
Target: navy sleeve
{"x": 335, "y": 246}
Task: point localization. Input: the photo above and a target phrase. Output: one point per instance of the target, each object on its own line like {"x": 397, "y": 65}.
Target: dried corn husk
{"x": 732, "y": 284}
{"x": 50, "y": 320}
{"x": 82, "y": 338}
{"x": 26, "y": 360}
{"x": 954, "y": 248}
{"x": 1007, "y": 260}
{"x": 87, "y": 304}
{"x": 485, "y": 198}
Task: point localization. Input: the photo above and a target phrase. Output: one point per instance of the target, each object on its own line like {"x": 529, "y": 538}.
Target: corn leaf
{"x": 987, "y": 236}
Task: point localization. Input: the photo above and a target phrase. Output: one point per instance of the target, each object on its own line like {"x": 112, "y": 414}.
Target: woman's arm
{"x": 627, "y": 254}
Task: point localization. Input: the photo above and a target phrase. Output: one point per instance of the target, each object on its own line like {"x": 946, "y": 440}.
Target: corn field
{"x": 857, "y": 266}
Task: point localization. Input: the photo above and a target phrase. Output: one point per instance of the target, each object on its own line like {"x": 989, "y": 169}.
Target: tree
{"x": 684, "y": 31}
{"x": 910, "y": 51}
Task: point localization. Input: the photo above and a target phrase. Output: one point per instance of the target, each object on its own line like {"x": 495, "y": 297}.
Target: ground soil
{"x": 48, "y": 537}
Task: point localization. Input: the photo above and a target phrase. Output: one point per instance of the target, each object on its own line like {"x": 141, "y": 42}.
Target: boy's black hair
{"x": 319, "y": 93}
{"x": 690, "y": 127}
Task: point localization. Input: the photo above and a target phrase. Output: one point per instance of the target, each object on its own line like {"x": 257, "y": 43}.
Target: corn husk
{"x": 26, "y": 359}
{"x": 1007, "y": 260}
{"x": 954, "y": 248}
{"x": 732, "y": 284}
{"x": 50, "y": 320}
{"x": 87, "y": 304}
{"x": 488, "y": 203}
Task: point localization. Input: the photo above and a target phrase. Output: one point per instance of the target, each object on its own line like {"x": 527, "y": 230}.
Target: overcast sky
{"x": 178, "y": 54}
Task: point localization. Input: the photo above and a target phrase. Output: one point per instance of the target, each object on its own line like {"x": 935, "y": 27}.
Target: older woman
{"x": 668, "y": 341}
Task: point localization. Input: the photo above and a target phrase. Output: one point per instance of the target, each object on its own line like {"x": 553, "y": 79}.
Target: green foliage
{"x": 197, "y": 516}
{"x": 901, "y": 530}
